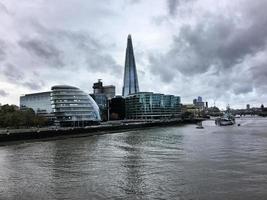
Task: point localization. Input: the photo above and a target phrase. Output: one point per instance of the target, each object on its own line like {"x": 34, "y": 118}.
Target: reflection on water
{"x": 163, "y": 163}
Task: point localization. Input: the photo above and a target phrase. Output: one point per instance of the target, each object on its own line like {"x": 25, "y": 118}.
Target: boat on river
{"x": 222, "y": 121}
{"x": 199, "y": 125}
{"x": 226, "y": 120}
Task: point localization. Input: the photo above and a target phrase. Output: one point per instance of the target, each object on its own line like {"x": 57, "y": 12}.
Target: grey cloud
{"x": 93, "y": 49}
{"x": 216, "y": 53}
{"x": 3, "y": 93}
{"x": 43, "y": 49}
{"x": 174, "y": 4}
{"x": 84, "y": 48}
{"x": 158, "y": 67}
{"x": 215, "y": 40}
{"x": 259, "y": 74}
{"x": 2, "y": 50}
{"x": 34, "y": 84}
{"x": 101, "y": 62}
{"x": 243, "y": 88}
{"x": 3, "y": 8}
{"x": 132, "y": 1}
{"x": 12, "y": 73}
{"x": 15, "y": 76}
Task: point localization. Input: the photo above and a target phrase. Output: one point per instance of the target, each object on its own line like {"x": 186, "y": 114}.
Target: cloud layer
{"x": 189, "y": 48}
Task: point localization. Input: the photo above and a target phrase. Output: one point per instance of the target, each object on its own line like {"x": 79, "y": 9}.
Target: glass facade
{"x": 72, "y": 106}
{"x": 102, "y": 102}
{"x": 130, "y": 82}
{"x": 68, "y": 105}
{"x": 148, "y": 105}
{"x": 39, "y": 102}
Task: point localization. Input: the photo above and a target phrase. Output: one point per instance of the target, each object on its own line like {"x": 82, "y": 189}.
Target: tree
{"x": 11, "y": 116}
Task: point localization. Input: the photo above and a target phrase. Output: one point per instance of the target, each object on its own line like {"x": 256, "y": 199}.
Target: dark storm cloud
{"x": 3, "y": 93}
{"x": 83, "y": 47}
{"x": 44, "y": 50}
{"x": 217, "y": 41}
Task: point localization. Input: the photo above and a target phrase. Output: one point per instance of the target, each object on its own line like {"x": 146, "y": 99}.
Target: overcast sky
{"x": 190, "y": 48}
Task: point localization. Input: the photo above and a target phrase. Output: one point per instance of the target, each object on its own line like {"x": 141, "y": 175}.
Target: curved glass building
{"x": 73, "y": 107}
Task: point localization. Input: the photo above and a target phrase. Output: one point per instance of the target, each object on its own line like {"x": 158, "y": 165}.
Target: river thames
{"x": 179, "y": 162}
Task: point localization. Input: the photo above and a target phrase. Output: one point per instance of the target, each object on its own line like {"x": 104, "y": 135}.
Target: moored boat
{"x": 227, "y": 119}
{"x": 199, "y": 125}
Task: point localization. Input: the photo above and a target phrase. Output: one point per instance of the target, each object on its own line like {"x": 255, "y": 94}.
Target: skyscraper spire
{"x": 130, "y": 82}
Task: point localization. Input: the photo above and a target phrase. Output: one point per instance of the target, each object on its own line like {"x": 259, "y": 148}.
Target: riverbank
{"x": 8, "y": 135}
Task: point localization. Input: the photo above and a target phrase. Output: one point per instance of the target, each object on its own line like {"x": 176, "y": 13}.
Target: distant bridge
{"x": 249, "y": 112}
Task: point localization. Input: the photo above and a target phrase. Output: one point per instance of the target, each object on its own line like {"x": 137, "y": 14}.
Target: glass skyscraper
{"x": 130, "y": 82}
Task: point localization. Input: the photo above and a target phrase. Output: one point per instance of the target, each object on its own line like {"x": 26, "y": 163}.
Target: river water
{"x": 157, "y": 163}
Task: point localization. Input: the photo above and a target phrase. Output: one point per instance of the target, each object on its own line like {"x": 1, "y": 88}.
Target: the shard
{"x": 130, "y": 82}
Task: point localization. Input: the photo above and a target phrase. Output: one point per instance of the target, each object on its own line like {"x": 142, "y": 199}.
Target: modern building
{"x": 117, "y": 108}
{"x": 68, "y": 105}
{"x": 39, "y": 102}
{"x": 108, "y": 90}
{"x": 102, "y": 95}
{"x": 130, "y": 81}
{"x": 200, "y": 104}
{"x": 148, "y": 105}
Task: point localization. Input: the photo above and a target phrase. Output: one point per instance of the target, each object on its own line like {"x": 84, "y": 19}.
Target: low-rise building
{"x": 190, "y": 111}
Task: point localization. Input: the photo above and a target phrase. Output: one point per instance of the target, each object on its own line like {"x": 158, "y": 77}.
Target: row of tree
{"x": 11, "y": 116}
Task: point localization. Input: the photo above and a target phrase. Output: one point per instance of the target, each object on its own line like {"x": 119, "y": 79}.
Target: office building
{"x": 39, "y": 102}
{"x": 67, "y": 105}
{"x": 117, "y": 108}
{"x": 148, "y": 105}
{"x": 130, "y": 81}
{"x": 101, "y": 95}
{"x": 107, "y": 90}
{"x": 200, "y": 104}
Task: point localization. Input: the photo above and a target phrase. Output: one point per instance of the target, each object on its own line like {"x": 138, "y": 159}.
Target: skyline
{"x": 188, "y": 48}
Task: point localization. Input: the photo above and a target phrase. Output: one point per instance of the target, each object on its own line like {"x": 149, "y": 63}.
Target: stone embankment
{"x": 7, "y": 135}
